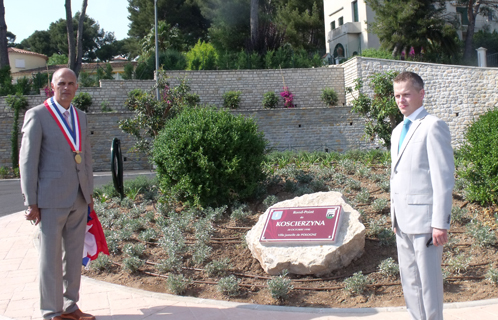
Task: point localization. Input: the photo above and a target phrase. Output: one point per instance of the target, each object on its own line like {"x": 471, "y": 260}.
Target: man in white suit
{"x": 422, "y": 180}
{"x": 57, "y": 183}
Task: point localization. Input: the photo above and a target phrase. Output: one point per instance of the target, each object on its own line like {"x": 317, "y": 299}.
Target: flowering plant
{"x": 48, "y": 92}
{"x": 288, "y": 98}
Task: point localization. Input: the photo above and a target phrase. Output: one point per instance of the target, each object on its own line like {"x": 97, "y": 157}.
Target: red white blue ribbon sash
{"x": 73, "y": 136}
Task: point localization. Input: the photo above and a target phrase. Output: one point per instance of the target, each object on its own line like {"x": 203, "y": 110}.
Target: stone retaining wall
{"x": 456, "y": 94}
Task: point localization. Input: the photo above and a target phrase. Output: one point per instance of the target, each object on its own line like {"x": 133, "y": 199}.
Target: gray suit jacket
{"x": 50, "y": 177}
{"x": 422, "y": 176}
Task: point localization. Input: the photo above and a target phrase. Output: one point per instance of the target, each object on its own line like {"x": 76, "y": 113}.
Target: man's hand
{"x": 33, "y": 213}
{"x": 91, "y": 205}
{"x": 439, "y": 236}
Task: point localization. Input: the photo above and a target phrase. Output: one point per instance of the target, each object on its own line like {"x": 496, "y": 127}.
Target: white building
{"x": 346, "y": 24}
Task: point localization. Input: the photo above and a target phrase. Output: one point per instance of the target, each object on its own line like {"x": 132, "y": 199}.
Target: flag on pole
{"x": 94, "y": 239}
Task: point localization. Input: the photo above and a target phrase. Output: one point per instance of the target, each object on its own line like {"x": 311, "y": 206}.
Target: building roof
{"x": 17, "y": 50}
{"x": 88, "y": 67}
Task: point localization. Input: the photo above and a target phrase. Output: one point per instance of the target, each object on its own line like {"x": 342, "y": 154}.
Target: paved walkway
{"x": 19, "y": 294}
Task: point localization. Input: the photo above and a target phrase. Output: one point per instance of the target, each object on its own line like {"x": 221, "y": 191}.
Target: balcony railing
{"x": 348, "y": 27}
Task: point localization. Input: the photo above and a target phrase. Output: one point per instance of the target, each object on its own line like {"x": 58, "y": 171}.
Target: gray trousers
{"x": 421, "y": 276}
{"x": 62, "y": 233}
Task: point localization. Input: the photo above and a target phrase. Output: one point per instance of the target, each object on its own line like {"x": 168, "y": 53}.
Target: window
{"x": 341, "y": 21}
{"x": 354, "y": 7}
{"x": 20, "y": 63}
{"x": 332, "y": 25}
{"x": 464, "y": 18}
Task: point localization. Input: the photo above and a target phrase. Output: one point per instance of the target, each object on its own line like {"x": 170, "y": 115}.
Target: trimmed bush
{"x": 82, "y": 101}
{"x": 210, "y": 157}
{"x": 231, "y": 99}
{"x": 270, "y": 100}
{"x": 329, "y": 97}
{"x": 479, "y": 157}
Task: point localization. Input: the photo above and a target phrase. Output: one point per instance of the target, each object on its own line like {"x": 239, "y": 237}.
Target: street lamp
{"x": 157, "y": 50}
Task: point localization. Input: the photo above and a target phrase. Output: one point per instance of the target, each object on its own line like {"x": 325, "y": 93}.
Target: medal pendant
{"x": 77, "y": 158}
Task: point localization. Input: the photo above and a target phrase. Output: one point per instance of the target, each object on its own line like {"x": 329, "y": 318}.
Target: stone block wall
{"x": 313, "y": 129}
{"x": 456, "y": 94}
{"x": 305, "y": 84}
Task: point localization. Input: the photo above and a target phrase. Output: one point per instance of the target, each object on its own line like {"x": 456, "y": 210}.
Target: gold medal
{"x": 77, "y": 158}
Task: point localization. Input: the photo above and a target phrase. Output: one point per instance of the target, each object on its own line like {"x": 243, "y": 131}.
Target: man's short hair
{"x": 416, "y": 80}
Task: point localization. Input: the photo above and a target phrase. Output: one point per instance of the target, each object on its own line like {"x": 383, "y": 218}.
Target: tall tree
{"x": 474, "y": 8}
{"x": 302, "y": 22}
{"x": 54, "y": 40}
{"x": 254, "y": 21}
{"x": 79, "y": 36}
{"x": 418, "y": 24}
{"x": 184, "y": 14}
{"x": 230, "y": 23}
{"x": 70, "y": 36}
{"x": 4, "y": 54}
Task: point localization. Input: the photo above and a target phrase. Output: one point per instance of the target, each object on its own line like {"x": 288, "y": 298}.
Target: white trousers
{"x": 421, "y": 276}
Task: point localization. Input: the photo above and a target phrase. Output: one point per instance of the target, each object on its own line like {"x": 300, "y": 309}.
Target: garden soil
{"x": 466, "y": 262}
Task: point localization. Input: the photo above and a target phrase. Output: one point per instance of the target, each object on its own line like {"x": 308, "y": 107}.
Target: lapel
{"x": 413, "y": 128}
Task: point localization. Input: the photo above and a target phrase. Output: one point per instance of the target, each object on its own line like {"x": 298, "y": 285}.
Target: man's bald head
{"x": 64, "y": 84}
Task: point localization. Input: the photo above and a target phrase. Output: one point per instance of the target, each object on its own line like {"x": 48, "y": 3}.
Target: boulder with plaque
{"x": 312, "y": 234}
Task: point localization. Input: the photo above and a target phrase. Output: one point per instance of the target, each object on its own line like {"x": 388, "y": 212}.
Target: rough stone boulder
{"x": 314, "y": 259}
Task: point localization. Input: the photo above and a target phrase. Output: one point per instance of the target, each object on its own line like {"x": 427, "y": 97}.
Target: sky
{"x": 23, "y": 17}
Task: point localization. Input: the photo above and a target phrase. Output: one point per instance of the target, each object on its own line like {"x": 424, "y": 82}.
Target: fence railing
{"x": 492, "y": 60}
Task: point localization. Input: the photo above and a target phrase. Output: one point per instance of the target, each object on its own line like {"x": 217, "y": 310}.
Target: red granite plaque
{"x": 302, "y": 224}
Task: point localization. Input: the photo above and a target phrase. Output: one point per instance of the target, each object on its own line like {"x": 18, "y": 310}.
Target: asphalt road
{"x": 11, "y": 197}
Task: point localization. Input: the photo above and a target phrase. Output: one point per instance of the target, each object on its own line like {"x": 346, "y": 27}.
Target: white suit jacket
{"x": 422, "y": 176}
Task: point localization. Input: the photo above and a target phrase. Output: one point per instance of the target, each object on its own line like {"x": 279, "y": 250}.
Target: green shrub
{"x": 218, "y": 267}
{"x": 105, "y": 107}
{"x": 483, "y": 235}
{"x": 492, "y": 276}
{"x": 134, "y": 250}
{"x": 18, "y": 103}
{"x": 357, "y": 283}
{"x": 87, "y": 80}
{"x": 459, "y": 214}
{"x": 82, "y": 101}
{"x": 231, "y": 99}
{"x": 228, "y": 286}
{"x": 177, "y": 284}
{"x": 128, "y": 71}
{"x": 379, "y": 205}
{"x": 270, "y": 200}
{"x": 132, "y": 264}
{"x": 205, "y": 156}
{"x": 363, "y": 196}
{"x": 458, "y": 264}
{"x": 386, "y": 237}
{"x": 201, "y": 252}
{"x": 479, "y": 156}
{"x": 377, "y": 53}
{"x": 102, "y": 263}
{"x": 280, "y": 286}
{"x": 389, "y": 268}
{"x": 202, "y": 56}
{"x": 173, "y": 263}
{"x": 270, "y": 100}
{"x": 329, "y": 97}
{"x": 240, "y": 213}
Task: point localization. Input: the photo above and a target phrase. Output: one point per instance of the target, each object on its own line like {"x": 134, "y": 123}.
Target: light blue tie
{"x": 404, "y": 131}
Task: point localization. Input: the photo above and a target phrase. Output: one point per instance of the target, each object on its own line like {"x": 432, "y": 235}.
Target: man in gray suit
{"x": 422, "y": 180}
{"x": 57, "y": 184}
